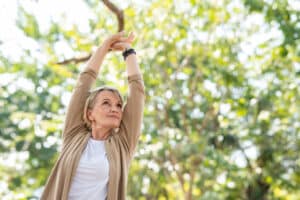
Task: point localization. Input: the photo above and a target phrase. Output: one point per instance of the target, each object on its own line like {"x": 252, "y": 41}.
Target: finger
{"x": 128, "y": 40}
{"x": 116, "y": 48}
{"x": 115, "y": 45}
{"x": 131, "y": 36}
{"x": 119, "y": 39}
{"x": 118, "y": 35}
{"x": 121, "y": 44}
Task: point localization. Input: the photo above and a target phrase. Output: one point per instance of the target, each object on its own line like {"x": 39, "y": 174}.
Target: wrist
{"x": 128, "y": 52}
{"x": 102, "y": 50}
{"x": 127, "y": 47}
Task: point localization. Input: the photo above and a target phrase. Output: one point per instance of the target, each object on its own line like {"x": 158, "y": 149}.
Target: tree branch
{"x": 249, "y": 165}
{"x": 75, "y": 60}
{"x": 120, "y": 16}
{"x": 173, "y": 161}
{"x": 119, "y": 13}
{"x": 189, "y": 194}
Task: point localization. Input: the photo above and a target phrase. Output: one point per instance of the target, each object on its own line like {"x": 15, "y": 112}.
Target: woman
{"x": 99, "y": 137}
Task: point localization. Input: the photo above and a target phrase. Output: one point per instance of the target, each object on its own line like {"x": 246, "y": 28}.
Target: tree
{"x": 222, "y": 110}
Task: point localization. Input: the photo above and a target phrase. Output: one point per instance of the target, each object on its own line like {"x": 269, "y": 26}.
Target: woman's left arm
{"x": 133, "y": 110}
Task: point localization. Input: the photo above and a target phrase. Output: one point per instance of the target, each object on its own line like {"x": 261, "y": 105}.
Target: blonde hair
{"x": 91, "y": 100}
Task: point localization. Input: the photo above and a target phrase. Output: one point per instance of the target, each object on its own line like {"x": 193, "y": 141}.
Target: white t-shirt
{"x": 91, "y": 178}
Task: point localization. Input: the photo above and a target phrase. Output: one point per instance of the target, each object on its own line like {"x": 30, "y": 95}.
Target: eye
{"x": 119, "y": 105}
{"x": 105, "y": 103}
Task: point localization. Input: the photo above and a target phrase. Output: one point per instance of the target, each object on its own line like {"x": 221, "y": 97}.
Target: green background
{"x": 222, "y": 114}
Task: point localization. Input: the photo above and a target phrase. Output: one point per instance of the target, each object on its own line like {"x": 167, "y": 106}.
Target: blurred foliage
{"x": 283, "y": 13}
{"x": 222, "y": 112}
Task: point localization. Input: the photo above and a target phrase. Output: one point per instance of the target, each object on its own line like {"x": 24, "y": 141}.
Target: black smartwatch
{"x": 127, "y": 52}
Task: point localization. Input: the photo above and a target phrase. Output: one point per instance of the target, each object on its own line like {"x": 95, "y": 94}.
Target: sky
{"x": 45, "y": 11}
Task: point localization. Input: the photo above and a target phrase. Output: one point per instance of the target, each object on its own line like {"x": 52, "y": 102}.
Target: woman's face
{"x": 107, "y": 111}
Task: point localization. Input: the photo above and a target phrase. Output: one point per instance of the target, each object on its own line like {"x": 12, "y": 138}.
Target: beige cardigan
{"x": 119, "y": 146}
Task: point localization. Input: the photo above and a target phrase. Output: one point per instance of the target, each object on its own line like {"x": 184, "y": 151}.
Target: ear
{"x": 89, "y": 115}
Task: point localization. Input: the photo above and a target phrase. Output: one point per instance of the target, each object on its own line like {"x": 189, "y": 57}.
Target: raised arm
{"x": 133, "y": 111}
{"x": 74, "y": 117}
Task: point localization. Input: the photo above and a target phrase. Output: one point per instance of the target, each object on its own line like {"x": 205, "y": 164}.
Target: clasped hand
{"x": 118, "y": 42}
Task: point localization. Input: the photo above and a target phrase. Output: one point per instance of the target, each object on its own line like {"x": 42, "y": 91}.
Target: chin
{"x": 114, "y": 125}
{"x": 117, "y": 125}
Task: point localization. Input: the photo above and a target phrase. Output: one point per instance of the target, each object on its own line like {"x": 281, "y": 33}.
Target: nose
{"x": 114, "y": 109}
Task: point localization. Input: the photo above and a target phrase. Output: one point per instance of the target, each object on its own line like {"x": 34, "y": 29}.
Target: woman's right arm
{"x": 74, "y": 120}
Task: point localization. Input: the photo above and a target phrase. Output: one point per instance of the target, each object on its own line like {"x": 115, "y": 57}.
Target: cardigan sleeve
{"x": 133, "y": 112}
{"x": 74, "y": 115}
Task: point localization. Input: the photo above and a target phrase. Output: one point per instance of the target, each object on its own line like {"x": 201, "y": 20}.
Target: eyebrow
{"x": 110, "y": 100}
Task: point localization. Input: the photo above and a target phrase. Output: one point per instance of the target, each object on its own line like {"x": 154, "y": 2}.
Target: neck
{"x": 100, "y": 133}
